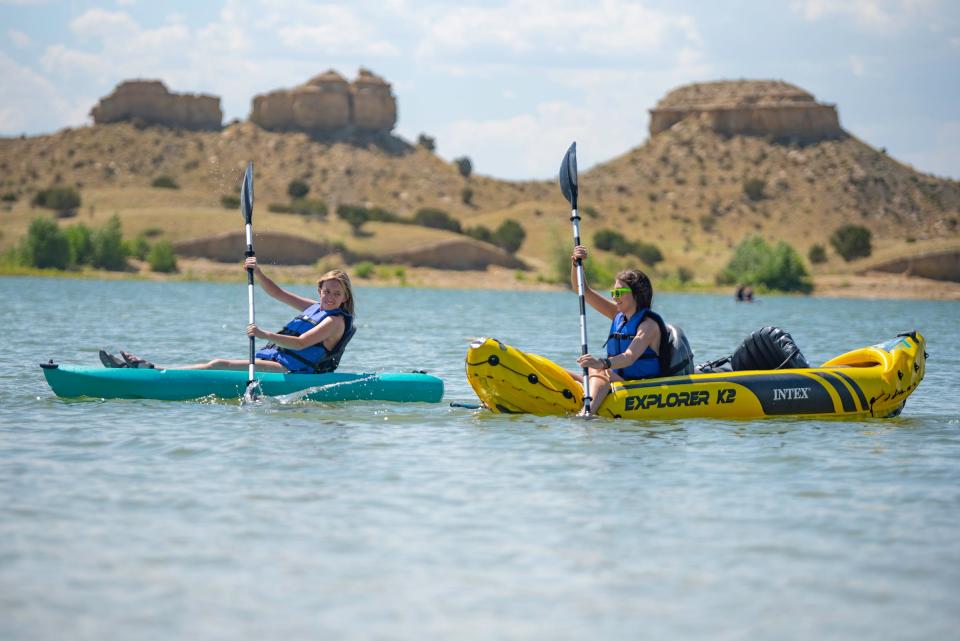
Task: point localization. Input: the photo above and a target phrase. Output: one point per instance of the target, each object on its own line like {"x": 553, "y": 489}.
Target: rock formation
{"x": 749, "y": 107}
{"x": 150, "y": 101}
{"x": 330, "y": 107}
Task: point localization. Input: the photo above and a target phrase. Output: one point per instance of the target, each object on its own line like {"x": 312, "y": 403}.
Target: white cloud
{"x": 542, "y": 27}
{"x": 30, "y": 100}
{"x": 856, "y": 65}
{"x": 19, "y": 39}
{"x": 101, "y": 24}
{"x": 874, "y": 15}
{"x": 334, "y": 30}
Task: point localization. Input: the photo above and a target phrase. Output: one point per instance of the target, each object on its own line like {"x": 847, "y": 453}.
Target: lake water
{"x": 142, "y": 520}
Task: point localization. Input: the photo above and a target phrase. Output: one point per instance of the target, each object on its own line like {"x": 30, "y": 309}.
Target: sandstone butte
{"x": 683, "y": 189}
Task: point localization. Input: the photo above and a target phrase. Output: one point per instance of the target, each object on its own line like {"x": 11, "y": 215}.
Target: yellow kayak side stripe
{"x": 844, "y": 395}
{"x": 856, "y": 388}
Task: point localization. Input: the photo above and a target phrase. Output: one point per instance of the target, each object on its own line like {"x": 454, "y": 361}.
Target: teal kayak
{"x": 71, "y": 381}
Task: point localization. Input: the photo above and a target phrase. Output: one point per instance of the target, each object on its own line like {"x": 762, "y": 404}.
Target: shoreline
{"x": 869, "y": 285}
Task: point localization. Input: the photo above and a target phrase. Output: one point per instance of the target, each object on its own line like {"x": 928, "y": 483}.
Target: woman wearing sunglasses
{"x": 312, "y": 342}
{"x": 634, "y": 343}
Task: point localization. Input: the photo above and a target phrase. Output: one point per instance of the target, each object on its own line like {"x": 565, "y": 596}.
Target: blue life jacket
{"x": 622, "y": 333}
{"x": 315, "y": 359}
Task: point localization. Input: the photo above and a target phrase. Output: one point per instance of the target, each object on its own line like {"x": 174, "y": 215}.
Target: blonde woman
{"x": 311, "y": 343}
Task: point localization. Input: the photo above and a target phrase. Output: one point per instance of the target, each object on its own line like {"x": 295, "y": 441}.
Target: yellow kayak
{"x": 870, "y": 381}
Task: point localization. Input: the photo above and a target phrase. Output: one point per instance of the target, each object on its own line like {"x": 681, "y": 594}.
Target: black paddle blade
{"x": 568, "y": 175}
{"x": 246, "y": 195}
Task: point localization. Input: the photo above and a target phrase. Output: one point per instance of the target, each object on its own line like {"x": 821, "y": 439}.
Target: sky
{"x": 509, "y": 83}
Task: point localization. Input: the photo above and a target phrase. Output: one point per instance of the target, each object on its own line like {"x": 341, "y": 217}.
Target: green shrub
{"x": 436, "y": 219}
{"x": 684, "y": 275}
{"x": 139, "y": 247}
{"x": 164, "y": 182}
{"x": 57, "y": 198}
{"x": 481, "y": 233}
{"x": 364, "y": 269}
{"x": 108, "y": 247}
{"x": 851, "y": 241}
{"x": 45, "y": 245}
{"x": 161, "y": 257}
{"x": 354, "y": 216}
{"x": 152, "y": 232}
{"x": 707, "y": 223}
{"x": 612, "y": 241}
{"x": 754, "y": 188}
{"x": 297, "y": 189}
{"x": 80, "y": 240}
{"x": 229, "y": 201}
{"x": 590, "y": 212}
{"x": 464, "y": 166}
{"x": 647, "y": 252}
{"x": 277, "y": 208}
{"x": 776, "y": 267}
{"x": 427, "y": 142}
{"x": 309, "y": 207}
{"x": 509, "y": 236}
{"x": 597, "y": 274}
{"x": 817, "y": 254}
{"x": 466, "y": 195}
{"x": 9, "y": 197}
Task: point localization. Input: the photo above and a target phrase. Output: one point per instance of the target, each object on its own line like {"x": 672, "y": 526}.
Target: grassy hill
{"x": 683, "y": 190}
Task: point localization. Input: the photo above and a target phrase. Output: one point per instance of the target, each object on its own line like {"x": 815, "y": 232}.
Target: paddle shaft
{"x": 252, "y": 316}
{"x": 581, "y": 289}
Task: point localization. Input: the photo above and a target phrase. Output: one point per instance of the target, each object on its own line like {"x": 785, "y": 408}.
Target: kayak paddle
{"x": 568, "y": 185}
{"x": 246, "y": 208}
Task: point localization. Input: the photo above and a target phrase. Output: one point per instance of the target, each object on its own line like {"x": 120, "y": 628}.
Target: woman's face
{"x": 332, "y": 294}
{"x": 626, "y": 303}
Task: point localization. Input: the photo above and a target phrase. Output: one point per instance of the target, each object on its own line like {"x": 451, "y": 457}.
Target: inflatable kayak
{"x": 182, "y": 384}
{"x": 871, "y": 381}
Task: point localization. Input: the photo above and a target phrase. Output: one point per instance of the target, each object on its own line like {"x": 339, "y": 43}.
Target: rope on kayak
{"x": 493, "y": 360}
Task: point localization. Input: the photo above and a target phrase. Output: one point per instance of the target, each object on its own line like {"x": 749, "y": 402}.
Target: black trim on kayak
{"x": 845, "y": 398}
{"x": 778, "y": 393}
{"x": 50, "y": 365}
{"x": 856, "y": 388}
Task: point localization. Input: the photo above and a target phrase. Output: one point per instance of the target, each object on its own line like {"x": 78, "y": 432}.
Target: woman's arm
{"x": 603, "y": 305}
{"x": 293, "y": 300}
{"x": 329, "y": 327}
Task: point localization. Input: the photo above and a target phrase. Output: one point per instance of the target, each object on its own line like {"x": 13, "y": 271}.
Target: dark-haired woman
{"x": 634, "y": 343}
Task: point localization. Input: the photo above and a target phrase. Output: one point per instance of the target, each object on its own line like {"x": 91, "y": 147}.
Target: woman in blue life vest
{"x": 311, "y": 342}
{"x": 633, "y": 345}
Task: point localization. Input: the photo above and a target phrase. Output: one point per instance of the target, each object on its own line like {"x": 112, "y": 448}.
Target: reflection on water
{"x": 287, "y": 518}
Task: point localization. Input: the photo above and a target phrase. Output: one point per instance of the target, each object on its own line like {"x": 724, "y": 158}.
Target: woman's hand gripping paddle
{"x": 246, "y": 208}
{"x": 568, "y": 185}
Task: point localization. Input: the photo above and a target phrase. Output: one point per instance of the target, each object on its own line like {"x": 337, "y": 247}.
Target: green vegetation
{"x": 817, "y": 254}
{"x": 229, "y": 201}
{"x": 464, "y": 166}
{"x": 684, "y": 275}
{"x": 436, "y": 219}
{"x": 80, "y": 239}
{"x": 509, "y": 236}
{"x": 427, "y": 142}
{"x": 356, "y": 216}
{"x": 851, "y": 241}
{"x": 480, "y": 233}
{"x": 363, "y": 270}
{"x": 777, "y": 267}
{"x": 297, "y": 189}
{"x": 466, "y": 195}
{"x": 139, "y": 247}
{"x": 109, "y": 251}
{"x": 164, "y": 182}
{"x": 754, "y": 188}
{"x": 590, "y": 212}
{"x": 598, "y": 274}
{"x": 161, "y": 257}
{"x": 57, "y": 198}
{"x": 614, "y": 241}
{"x": 45, "y": 245}
{"x": 9, "y": 197}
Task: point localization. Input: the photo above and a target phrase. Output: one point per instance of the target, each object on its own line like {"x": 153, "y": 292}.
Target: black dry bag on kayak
{"x": 765, "y": 349}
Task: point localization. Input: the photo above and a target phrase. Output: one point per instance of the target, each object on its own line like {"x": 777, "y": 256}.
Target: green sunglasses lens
{"x": 619, "y": 292}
